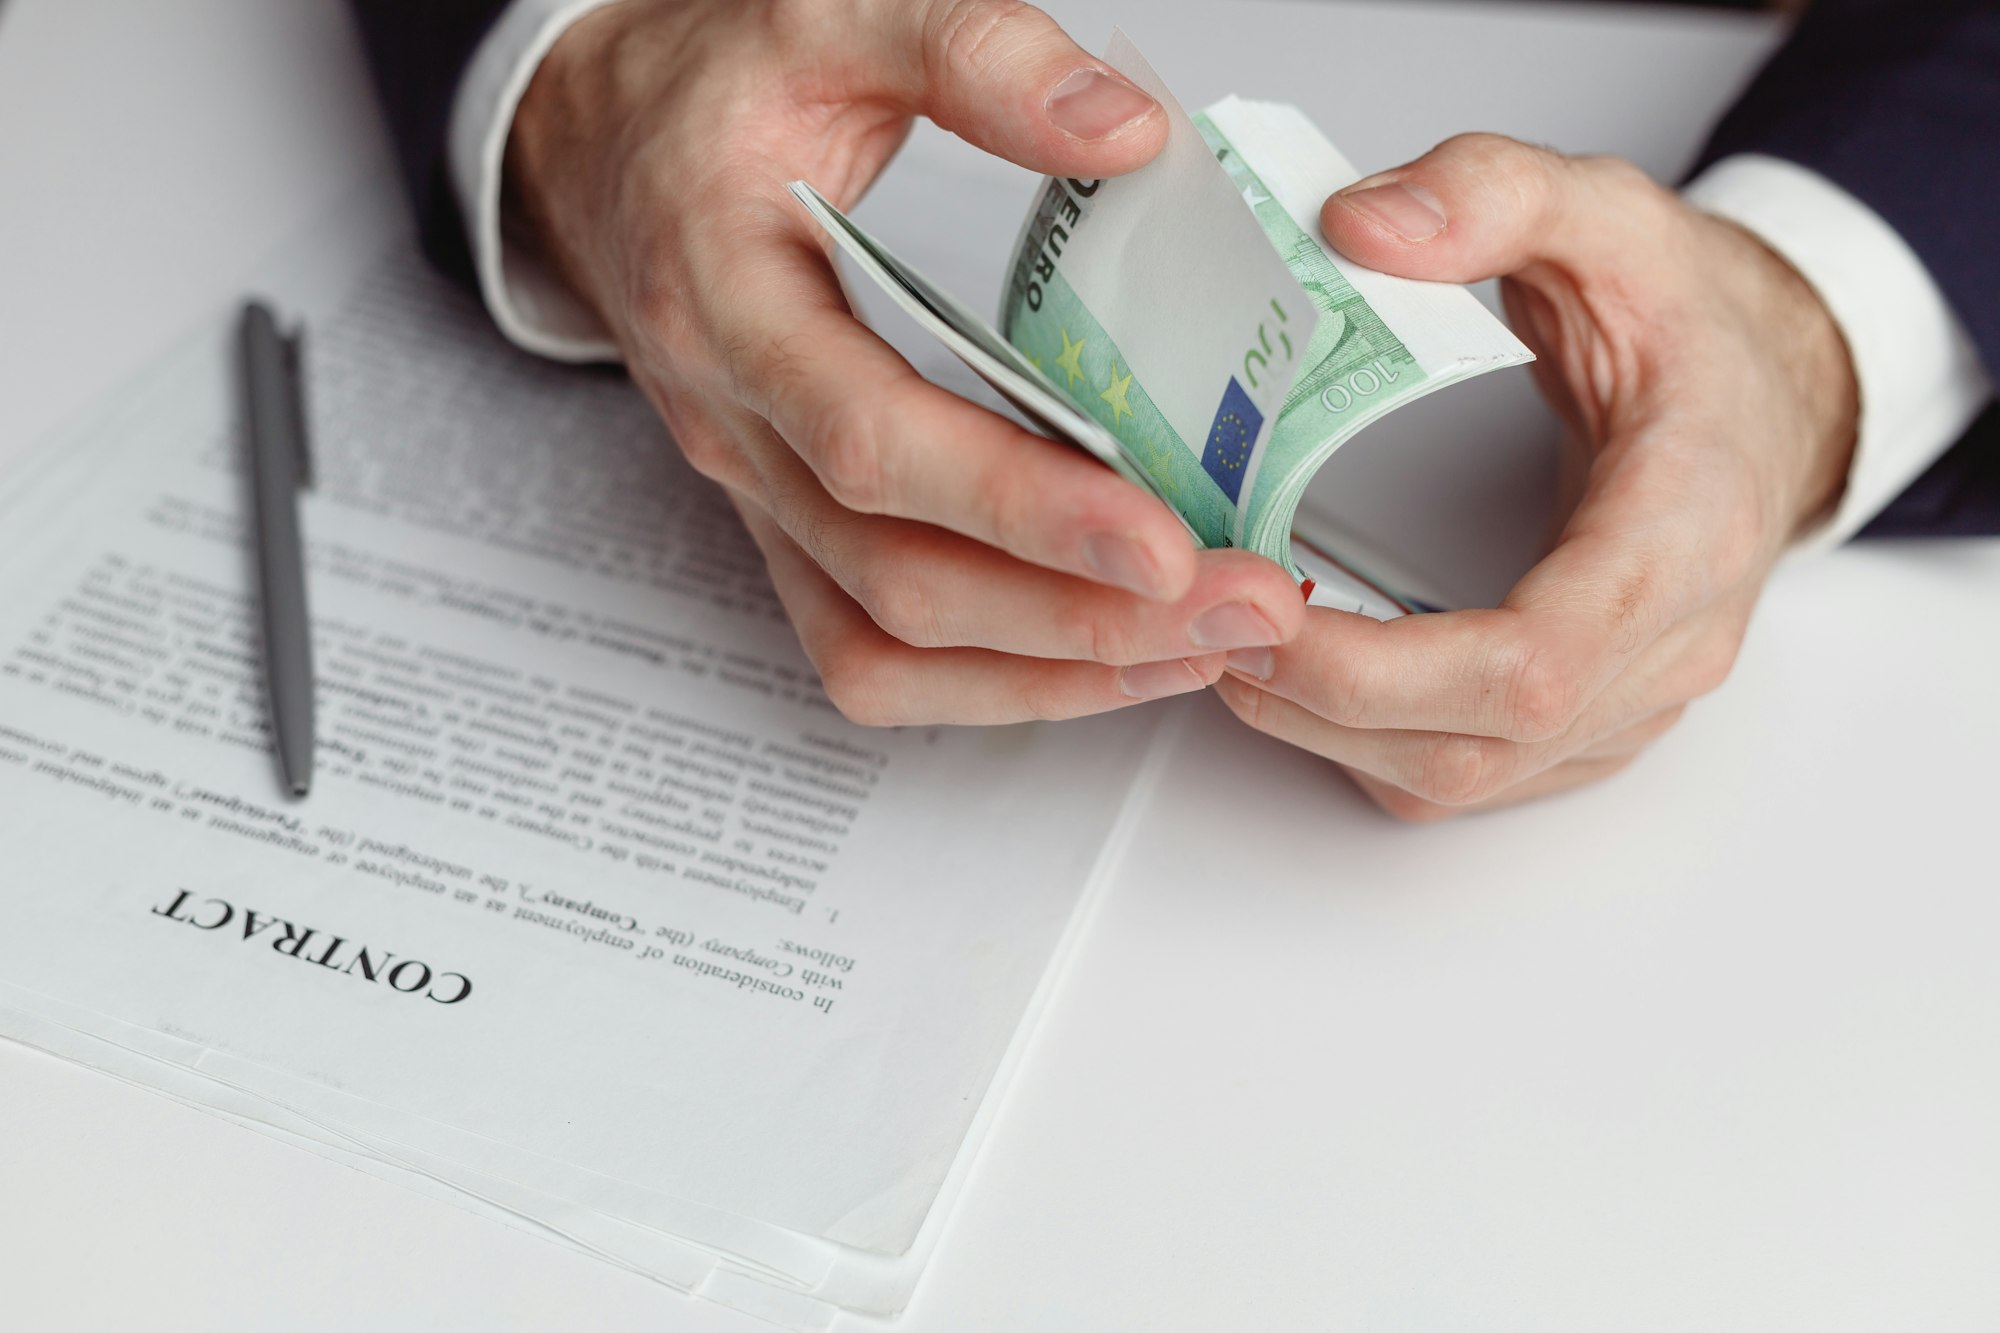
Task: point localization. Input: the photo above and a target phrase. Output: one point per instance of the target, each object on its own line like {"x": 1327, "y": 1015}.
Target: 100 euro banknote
{"x": 1188, "y": 325}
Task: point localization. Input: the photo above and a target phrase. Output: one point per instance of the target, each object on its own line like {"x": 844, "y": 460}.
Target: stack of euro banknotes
{"x": 1189, "y": 326}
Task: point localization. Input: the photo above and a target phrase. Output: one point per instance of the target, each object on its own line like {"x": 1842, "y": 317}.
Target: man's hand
{"x": 1715, "y": 402}
{"x": 940, "y": 564}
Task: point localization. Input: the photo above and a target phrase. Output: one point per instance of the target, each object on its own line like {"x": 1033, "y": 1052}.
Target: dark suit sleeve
{"x": 1898, "y": 103}
{"x": 417, "y": 49}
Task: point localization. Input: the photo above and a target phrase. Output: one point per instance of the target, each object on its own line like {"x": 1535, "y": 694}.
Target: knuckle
{"x": 816, "y": 531}
{"x": 857, "y": 683}
{"x": 1738, "y": 539}
{"x": 655, "y": 302}
{"x": 1044, "y": 697}
{"x": 1089, "y": 636}
{"x": 1246, "y": 702}
{"x": 661, "y": 307}
{"x": 846, "y": 452}
{"x": 1342, "y": 695}
{"x": 656, "y": 313}
{"x": 702, "y": 452}
{"x": 1712, "y": 666}
{"x": 710, "y": 451}
{"x": 1097, "y": 637}
{"x": 897, "y": 601}
{"x": 1619, "y": 173}
{"x": 1525, "y": 180}
{"x": 1498, "y": 156}
{"x": 1457, "y": 770}
{"x": 1408, "y": 807}
{"x": 1486, "y": 148}
{"x": 763, "y": 369}
{"x": 971, "y": 36}
{"x": 1010, "y": 512}
{"x": 1541, "y": 694}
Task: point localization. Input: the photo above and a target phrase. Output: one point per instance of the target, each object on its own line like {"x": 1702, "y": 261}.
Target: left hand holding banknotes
{"x": 940, "y": 563}
{"x": 1714, "y": 399}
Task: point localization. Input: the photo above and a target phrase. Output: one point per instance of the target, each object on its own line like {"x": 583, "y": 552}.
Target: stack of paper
{"x": 599, "y": 917}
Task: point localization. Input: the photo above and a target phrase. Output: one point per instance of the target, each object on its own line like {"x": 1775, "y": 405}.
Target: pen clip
{"x": 293, "y": 347}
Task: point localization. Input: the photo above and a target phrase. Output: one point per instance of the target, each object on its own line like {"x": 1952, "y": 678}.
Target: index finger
{"x": 885, "y": 440}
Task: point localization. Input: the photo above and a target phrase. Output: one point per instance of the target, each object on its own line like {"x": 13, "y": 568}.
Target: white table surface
{"x": 1711, "y": 1047}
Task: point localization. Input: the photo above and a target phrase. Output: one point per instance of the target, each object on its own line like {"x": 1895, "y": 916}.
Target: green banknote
{"x": 1189, "y": 325}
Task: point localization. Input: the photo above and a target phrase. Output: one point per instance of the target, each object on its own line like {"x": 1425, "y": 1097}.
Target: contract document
{"x": 599, "y": 918}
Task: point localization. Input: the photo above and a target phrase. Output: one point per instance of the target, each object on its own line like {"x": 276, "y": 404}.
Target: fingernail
{"x": 1157, "y": 680}
{"x": 1123, "y": 562}
{"x": 1411, "y": 211}
{"x": 1232, "y": 625}
{"x": 1093, "y": 105}
{"x": 1258, "y": 662}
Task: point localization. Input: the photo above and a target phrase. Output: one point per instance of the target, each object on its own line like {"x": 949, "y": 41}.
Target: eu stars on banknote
{"x": 1230, "y": 439}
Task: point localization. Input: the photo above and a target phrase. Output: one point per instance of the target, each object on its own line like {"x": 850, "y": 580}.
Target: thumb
{"x": 1475, "y": 207}
{"x": 1005, "y": 77}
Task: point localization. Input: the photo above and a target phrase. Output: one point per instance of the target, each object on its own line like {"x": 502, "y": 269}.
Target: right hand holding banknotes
{"x": 940, "y": 563}
{"x": 1714, "y": 400}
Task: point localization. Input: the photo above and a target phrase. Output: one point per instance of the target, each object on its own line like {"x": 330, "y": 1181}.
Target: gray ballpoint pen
{"x": 280, "y": 466}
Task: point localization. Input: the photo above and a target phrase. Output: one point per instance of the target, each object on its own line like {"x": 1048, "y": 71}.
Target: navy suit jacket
{"x": 1895, "y": 101}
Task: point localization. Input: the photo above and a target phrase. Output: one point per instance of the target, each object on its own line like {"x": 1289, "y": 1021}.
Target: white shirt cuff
{"x": 1918, "y": 372}
{"x": 532, "y": 305}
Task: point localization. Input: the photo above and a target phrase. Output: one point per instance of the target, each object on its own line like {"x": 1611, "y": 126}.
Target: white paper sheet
{"x": 653, "y": 939}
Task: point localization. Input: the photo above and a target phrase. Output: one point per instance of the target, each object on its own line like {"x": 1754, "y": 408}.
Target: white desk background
{"x": 1714, "y": 1047}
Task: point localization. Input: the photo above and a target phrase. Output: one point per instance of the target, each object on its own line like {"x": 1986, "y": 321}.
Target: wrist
{"x": 1816, "y": 377}
{"x": 1825, "y": 384}
{"x": 550, "y": 193}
